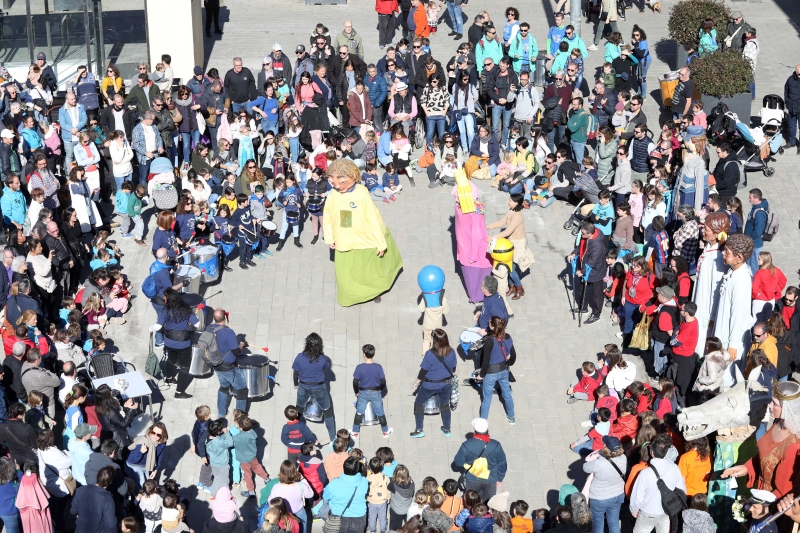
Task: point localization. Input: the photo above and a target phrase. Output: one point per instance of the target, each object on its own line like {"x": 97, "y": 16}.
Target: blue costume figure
{"x": 433, "y": 304}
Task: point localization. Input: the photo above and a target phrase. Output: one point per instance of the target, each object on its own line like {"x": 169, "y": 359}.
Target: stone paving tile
{"x": 293, "y": 293}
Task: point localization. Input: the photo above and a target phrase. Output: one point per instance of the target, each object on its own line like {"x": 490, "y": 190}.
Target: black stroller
{"x": 587, "y": 189}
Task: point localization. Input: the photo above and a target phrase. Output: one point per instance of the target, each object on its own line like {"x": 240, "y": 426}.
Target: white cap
{"x": 480, "y": 425}
{"x": 401, "y": 86}
{"x": 277, "y": 46}
{"x": 7, "y": 134}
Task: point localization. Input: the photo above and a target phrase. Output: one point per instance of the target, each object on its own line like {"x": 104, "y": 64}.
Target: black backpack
{"x": 672, "y": 501}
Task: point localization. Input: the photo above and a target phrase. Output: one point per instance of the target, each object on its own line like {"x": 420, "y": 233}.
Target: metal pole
{"x": 87, "y": 35}
{"x": 31, "y": 40}
{"x": 47, "y": 31}
{"x": 101, "y": 43}
{"x": 7, "y": 4}
{"x": 575, "y": 16}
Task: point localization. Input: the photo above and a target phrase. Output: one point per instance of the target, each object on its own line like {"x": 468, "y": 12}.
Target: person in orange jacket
{"x": 418, "y": 19}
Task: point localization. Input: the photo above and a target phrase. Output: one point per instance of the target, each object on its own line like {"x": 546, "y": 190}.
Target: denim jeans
{"x": 555, "y": 136}
{"x": 456, "y": 18}
{"x": 211, "y": 133}
{"x": 269, "y": 124}
{"x": 752, "y": 262}
{"x": 173, "y": 150}
{"x": 144, "y": 171}
{"x": 645, "y": 67}
{"x": 69, "y": 152}
{"x": 137, "y": 473}
{"x": 517, "y": 188}
{"x": 323, "y": 398}
{"x": 423, "y": 395}
{"x": 302, "y": 515}
{"x": 487, "y": 387}
{"x": 514, "y": 275}
{"x": 294, "y": 147}
{"x": 466, "y": 128}
{"x": 160, "y": 333}
{"x": 659, "y": 361}
{"x": 499, "y": 112}
{"x": 119, "y": 180}
{"x": 631, "y": 314}
{"x": 11, "y": 523}
{"x": 606, "y": 508}
{"x": 578, "y": 149}
{"x": 236, "y": 107}
{"x": 230, "y": 378}
{"x": 435, "y": 122}
{"x": 373, "y": 397}
{"x": 376, "y": 512}
{"x": 794, "y": 120}
{"x": 583, "y": 449}
{"x": 187, "y": 139}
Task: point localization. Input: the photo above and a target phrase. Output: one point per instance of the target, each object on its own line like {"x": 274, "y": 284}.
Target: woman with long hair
{"x": 145, "y": 454}
{"x": 691, "y": 186}
{"x": 707, "y": 37}
{"x": 114, "y": 418}
{"x": 606, "y": 152}
{"x": 434, "y": 379}
{"x": 266, "y": 106}
{"x": 641, "y": 51}
{"x": 768, "y": 285}
{"x": 785, "y": 342}
{"x": 497, "y": 357}
{"x": 112, "y": 84}
{"x": 77, "y": 242}
{"x": 250, "y": 177}
{"x": 638, "y": 290}
{"x": 287, "y": 522}
{"x": 463, "y": 100}
{"x": 620, "y": 373}
{"x": 711, "y": 375}
{"x": 190, "y": 134}
{"x": 304, "y": 92}
{"x": 293, "y": 489}
{"x": 43, "y": 277}
{"x": 513, "y": 225}
{"x": 83, "y": 201}
{"x": 311, "y": 374}
{"x": 177, "y": 321}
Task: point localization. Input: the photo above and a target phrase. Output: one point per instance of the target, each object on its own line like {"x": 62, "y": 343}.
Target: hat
{"x": 761, "y": 496}
{"x": 480, "y": 425}
{"x": 619, "y": 107}
{"x": 169, "y": 515}
{"x": 462, "y": 59}
{"x": 736, "y": 15}
{"x": 666, "y": 291}
{"x": 41, "y": 56}
{"x": 267, "y": 59}
{"x": 300, "y": 49}
{"x": 693, "y": 131}
{"x": 499, "y": 502}
{"x": 277, "y": 46}
{"x": 402, "y": 86}
{"x": 224, "y": 506}
{"x": 7, "y": 134}
{"x": 84, "y": 429}
{"x": 612, "y": 443}
{"x": 564, "y": 492}
{"x": 198, "y": 70}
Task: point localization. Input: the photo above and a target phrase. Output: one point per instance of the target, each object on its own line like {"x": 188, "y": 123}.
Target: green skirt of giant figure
{"x": 361, "y": 275}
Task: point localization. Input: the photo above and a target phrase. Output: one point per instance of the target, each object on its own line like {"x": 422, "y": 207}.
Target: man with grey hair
{"x": 23, "y": 302}
{"x": 493, "y": 305}
{"x": 36, "y": 378}
{"x": 682, "y": 97}
{"x": 146, "y": 143}
{"x": 12, "y": 373}
{"x": 163, "y": 122}
{"x": 558, "y": 89}
{"x": 241, "y": 86}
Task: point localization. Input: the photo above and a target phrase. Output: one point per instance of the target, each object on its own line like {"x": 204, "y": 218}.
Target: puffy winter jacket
{"x": 625, "y": 428}
{"x": 376, "y": 87}
{"x": 791, "y": 94}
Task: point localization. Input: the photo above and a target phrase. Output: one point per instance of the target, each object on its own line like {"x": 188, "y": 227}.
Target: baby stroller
{"x": 587, "y": 189}
{"x": 762, "y": 142}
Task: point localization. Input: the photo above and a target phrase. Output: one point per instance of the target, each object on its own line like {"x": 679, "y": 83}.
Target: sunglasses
{"x": 621, "y": 153}
{"x": 417, "y": 46}
{"x": 251, "y": 168}
{"x": 342, "y": 53}
{"x": 489, "y": 64}
{"x": 110, "y": 71}
{"x": 142, "y": 68}
{"x": 159, "y": 434}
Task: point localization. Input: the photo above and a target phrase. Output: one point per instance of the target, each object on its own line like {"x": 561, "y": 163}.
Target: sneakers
{"x": 260, "y": 256}
{"x": 126, "y": 235}
{"x": 266, "y": 253}
{"x": 251, "y": 263}
{"x": 411, "y": 181}
{"x": 592, "y": 319}
{"x": 571, "y": 400}
{"x": 586, "y": 424}
{"x": 117, "y": 320}
{"x": 182, "y": 396}
{"x": 315, "y": 239}
{"x": 417, "y": 434}
{"x": 387, "y": 433}
{"x": 243, "y": 266}
{"x": 591, "y": 48}
{"x": 512, "y": 420}
{"x": 446, "y": 432}
{"x": 248, "y": 494}
{"x": 619, "y": 335}
{"x": 354, "y": 434}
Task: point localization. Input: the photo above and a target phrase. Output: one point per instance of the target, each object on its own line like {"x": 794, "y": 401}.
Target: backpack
{"x": 593, "y": 128}
{"x": 772, "y": 225}
{"x": 207, "y": 343}
{"x": 149, "y": 288}
{"x": 672, "y": 501}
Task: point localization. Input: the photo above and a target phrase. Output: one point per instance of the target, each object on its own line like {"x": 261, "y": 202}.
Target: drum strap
{"x": 178, "y": 334}
{"x": 315, "y": 384}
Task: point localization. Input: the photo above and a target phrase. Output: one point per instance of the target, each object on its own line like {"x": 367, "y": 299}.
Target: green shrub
{"x": 722, "y": 74}
{"x": 686, "y": 18}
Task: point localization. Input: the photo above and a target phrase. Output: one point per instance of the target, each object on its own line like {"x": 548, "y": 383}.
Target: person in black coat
{"x": 18, "y": 436}
{"x": 114, "y": 425}
{"x": 791, "y": 95}
{"x": 787, "y": 306}
{"x": 337, "y": 61}
{"x": 94, "y": 505}
{"x": 590, "y": 253}
{"x": 108, "y": 121}
{"x": 625, "y": 70}
{"x": 605, "y": 102}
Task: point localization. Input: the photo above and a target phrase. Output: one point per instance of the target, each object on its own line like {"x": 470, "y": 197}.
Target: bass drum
{"x": 314, "y": 205}
{"x": 198, "y": 368}
{"x": 256, "y": 374}
{"x": 192, "y": 273}
{"x": 206, "y": 258}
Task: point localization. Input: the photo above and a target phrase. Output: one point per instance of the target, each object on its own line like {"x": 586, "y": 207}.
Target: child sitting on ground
{"x": 593, "y": 440}
{"x": 391, "y": 182}
{"x": 520, "y": 524}
{"x": 418, "y": 505}
{"x": 584, "y": 388}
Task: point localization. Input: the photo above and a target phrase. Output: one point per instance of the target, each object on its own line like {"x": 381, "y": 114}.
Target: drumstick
{"x": 189, "y": 251}
{"x": 250, "y": 232}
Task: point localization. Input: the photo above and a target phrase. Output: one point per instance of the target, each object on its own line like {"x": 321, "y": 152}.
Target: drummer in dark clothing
{"x": 229, "y": 375}
{"x": 310, "y": 380}
{"x": 177, "y": 321}
{"x": 163, "y": 278}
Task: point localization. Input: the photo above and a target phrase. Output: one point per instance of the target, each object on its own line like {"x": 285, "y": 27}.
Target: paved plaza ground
{"x": 293, "y": 293}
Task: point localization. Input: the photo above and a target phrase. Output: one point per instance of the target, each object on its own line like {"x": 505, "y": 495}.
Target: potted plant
{"x": 724, "y": 77}
{"x": 686, "y": 18}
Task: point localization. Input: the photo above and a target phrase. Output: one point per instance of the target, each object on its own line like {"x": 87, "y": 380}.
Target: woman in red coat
{"x": 639, "y": 284}
{"x": 768, "y": 285}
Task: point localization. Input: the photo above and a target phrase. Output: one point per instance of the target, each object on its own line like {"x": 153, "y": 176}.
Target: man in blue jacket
{"x": 229, "y": 375}
{"x": 755, "y": 226}
{"x": 94, "y": 505}
{"x": 347, "y": 495}
{"x": 376, "y": 87}
{"x": 72, "y": 117}
{"x": 480, "y": 445}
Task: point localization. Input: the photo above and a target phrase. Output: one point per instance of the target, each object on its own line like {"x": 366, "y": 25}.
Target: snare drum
{"x": 268, "y": 228}
{"x": 190, "y": 272}
{"x": 314, "y": 205}
{"x": 467, "y": 337}
{"x": 256, "y": 374}
{"x": 206, "y": 259}
{"x": 292, "y": 217}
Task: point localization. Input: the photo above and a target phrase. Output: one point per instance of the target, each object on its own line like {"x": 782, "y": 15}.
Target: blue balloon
{"x": 431, "y": 281}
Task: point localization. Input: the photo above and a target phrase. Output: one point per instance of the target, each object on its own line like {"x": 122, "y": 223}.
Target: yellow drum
{"x": 502, "y": 251}
{"x": 668, "y": 83}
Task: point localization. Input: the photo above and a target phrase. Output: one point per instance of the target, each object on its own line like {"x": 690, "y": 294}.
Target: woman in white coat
{"x": 734, "y": 318}
{"x": 87, "y": 156}
{"x": 81, "y": 195}
{"x": 121, "y": 157}
{"x": 710, "y": 268}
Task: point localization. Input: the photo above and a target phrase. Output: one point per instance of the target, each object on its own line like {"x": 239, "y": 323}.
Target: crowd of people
{"x": 661, "y": 240}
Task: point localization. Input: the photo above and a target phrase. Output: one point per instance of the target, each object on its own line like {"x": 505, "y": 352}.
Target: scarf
{"x": 466, "y": 197}
{"x": 482, "y": 438}
{"x": 150, "y": 459}
{"x": 187, "y": 102}
{"x": 709, "y": 248}
{"x": 223, "y": 507}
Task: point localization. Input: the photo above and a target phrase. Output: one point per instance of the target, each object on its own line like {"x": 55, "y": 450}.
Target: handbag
{"x": 69, "y": 481}
{"x": 641, "y": 335}
{"x": 333, "y": 523}
{"x": 511, "y": 377}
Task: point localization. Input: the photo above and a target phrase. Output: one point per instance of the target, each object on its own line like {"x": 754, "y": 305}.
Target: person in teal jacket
{"x": 555, "y": 34}
{"x": 523, "y": 50}
{"x": 603, "y": 212}
{"x": 560, "y": 61}
{"x": 574, "y": 41}
{"x": 578, "y": 126}
{"x": 346, "y": 495}
{"x": 13, "y": 203}
{"x": 490, "y": 47}
{"x": 707, "y": 38}
{"x": 612, "y": 50}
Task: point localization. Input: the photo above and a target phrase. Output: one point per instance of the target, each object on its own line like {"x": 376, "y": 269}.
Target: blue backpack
{"x": 149, "y": 288}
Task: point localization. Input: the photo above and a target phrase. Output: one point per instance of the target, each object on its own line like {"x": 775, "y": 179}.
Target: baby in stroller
{"x": 587, "y": 188}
